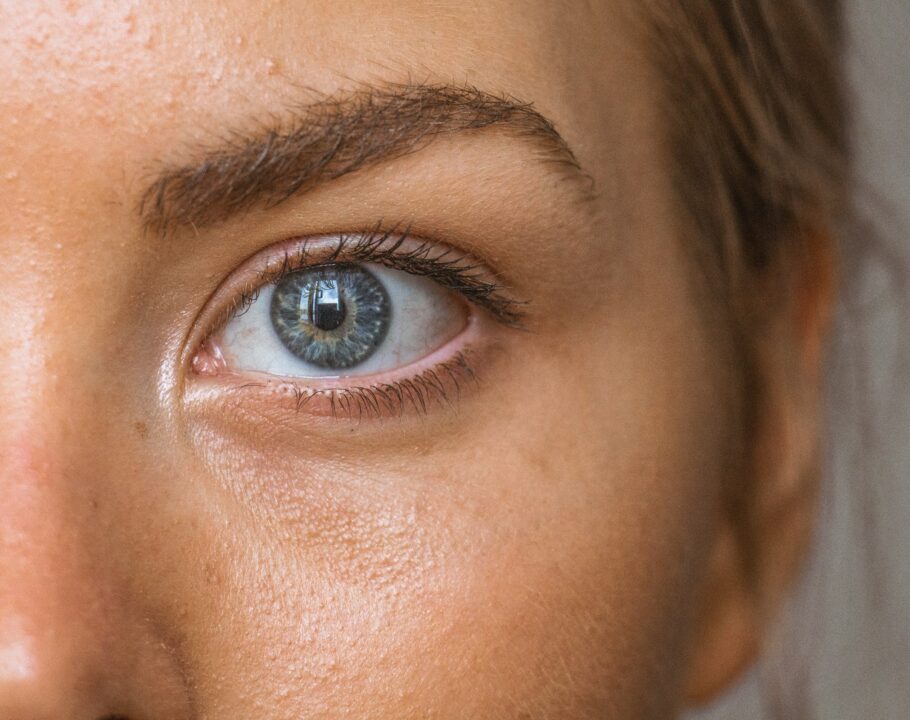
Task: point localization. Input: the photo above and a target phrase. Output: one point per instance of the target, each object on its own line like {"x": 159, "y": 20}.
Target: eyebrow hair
{"x": 332, "y": 137}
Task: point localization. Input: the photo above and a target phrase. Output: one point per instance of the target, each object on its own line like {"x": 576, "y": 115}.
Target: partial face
{"x": 338, "y": 383}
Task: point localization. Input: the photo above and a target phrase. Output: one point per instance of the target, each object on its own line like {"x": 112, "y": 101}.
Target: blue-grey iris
{"x": 334, "y": 316}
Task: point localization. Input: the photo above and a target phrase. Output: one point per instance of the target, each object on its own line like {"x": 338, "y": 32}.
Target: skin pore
{"x": 547, "y": 541}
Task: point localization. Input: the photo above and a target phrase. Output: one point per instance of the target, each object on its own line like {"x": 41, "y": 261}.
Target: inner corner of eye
{"x": 208, "y": 358}
{"x": 337, "y": 320}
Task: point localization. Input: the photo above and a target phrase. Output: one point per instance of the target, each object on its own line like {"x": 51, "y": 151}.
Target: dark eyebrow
{"x": 329, "y": 138}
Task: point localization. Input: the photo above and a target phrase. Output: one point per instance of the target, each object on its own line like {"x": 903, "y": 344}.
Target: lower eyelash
{"x": 440, "y": 385}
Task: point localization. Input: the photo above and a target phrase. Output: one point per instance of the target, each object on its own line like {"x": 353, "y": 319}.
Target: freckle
{"x": 142, "y": 430}
{"x": 211, "y": 574}
{"x": 130, "y": 21}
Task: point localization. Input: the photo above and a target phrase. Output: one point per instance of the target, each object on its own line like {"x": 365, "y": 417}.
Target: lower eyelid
{"x": 442, "y": 385}
{"x": 439, "y": 379}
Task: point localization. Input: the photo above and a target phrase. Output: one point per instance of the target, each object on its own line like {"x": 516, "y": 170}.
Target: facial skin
{"x": 177, "y": 545}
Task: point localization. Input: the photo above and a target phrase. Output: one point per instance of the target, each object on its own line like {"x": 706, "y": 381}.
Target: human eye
{"x": 362, "y": 324}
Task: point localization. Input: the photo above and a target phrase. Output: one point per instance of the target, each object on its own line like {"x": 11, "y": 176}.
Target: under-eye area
{"x": 357, "y": 325}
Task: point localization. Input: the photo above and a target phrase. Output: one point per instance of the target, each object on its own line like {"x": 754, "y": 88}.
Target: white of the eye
{"x": 424, "y": 315}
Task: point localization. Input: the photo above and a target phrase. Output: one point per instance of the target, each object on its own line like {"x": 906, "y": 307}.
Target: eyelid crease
{"x": 450, "y": 268}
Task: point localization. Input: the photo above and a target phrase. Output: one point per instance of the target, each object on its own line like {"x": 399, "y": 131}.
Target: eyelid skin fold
{"x": 438, "y": 379}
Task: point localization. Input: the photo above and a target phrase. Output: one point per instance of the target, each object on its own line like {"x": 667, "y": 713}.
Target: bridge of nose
{"x": 77, "y": 637}
{"x": 89, "y": 594}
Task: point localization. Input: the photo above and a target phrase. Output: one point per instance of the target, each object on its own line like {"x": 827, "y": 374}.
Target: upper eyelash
{"x": 443, "y": 265}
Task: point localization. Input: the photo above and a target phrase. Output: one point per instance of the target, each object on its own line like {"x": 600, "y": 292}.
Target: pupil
{"x": 326, "y": 305}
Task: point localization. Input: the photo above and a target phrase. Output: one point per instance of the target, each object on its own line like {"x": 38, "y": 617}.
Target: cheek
{"x": 544, "y": 557}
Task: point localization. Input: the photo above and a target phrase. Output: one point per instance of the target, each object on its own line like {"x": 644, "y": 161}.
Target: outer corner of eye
{"x": 336, "y": 321}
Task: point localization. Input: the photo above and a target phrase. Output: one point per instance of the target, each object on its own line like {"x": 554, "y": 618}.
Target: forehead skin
{"x": 536, "y": 555}
{"x": 75, "y": 70}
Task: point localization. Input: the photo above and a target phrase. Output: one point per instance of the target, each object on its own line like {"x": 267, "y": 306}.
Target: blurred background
{"x": 842, "y": 652}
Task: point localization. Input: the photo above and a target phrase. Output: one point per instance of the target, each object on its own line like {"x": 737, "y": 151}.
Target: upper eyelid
{"x": 451, "y": 268}
{"x": 458, "y": 270}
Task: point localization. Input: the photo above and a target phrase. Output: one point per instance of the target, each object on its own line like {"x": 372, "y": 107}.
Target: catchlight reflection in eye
{"x": 341, "y": 320}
